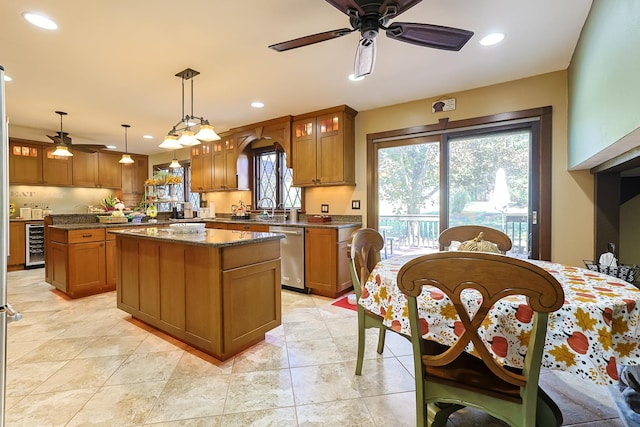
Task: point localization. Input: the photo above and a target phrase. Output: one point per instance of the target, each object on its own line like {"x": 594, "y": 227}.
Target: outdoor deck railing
{"x": 421, "y": 231}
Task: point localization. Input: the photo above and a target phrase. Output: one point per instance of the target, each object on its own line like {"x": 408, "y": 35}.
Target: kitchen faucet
{"x": 273, "y": 206}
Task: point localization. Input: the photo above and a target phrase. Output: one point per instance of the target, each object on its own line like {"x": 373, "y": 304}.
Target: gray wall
{"x": 604, "y": 88}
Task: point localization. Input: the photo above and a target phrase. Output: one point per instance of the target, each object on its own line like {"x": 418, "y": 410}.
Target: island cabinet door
{"x": 251, "y": 304}
{"x": 172, "y": 287}
{"x": 86, "y": 267}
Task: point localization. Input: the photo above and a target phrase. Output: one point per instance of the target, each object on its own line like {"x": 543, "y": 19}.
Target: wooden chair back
{"x": 463, "y": 233}
{"x": 366, "y": 245}
{"x": 479, "y": 380}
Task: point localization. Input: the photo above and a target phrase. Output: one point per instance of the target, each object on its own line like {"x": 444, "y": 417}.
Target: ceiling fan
{"x": 369, "y": 17}
{"x": 62, "y": 139}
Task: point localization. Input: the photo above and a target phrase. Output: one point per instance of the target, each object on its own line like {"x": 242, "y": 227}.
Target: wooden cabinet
{"x": 78, "y": 261}
{"x": 201, "y": 167}
{"x": 16, "y": 258}
{"x": 109, "y": 170}
{"x": 326, "y": 261}
{"x": 221, "y": 300}
{"x": 217, "y": 225}
{"x": 25, "y": 163}
{"x": 323, "y": 148}
{"x": 96, "y": 169}
{"x": 248, "y": 227}
{"x": 56, "y": 170}
{"x": 224, "y": 164}
{"x": 133, "y": 178}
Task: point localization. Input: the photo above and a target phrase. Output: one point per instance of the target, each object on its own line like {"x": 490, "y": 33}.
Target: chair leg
{"x": 381, "y": 336}
{"x": 361, "y": 338}
{"x": 547, "y": 412}
{"x": 438, "y": 413}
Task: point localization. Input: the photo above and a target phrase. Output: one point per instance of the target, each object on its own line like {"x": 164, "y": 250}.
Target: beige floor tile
{"x": 195, "y": 365}
{"x": 396, "y": 409}
{"x": 47, "y": 409}
{"x": 58, "y": 350}
{"x": 264, "y": 356}
{"x": 119, "y": 405}
{"x": 24, "y": 378}
{"x": 254, "y": 391}
{"x": 384, "y": 376}
{"x": 112, "y": 345}
{"x": 182, "y": 399}
{"x": 281, "y": 417}
{"x": 312, "y": 352}
{"x": 146, "y": 367}
{"x": 306, "y": 330}
{"x": 352, "y": 413}
{"x": 191, "y": 422}
{"x": 82, "y": 373}
{"x": 324, "y": 383}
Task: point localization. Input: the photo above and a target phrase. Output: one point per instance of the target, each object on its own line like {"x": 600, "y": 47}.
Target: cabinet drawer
{"x": 86, "y": 235}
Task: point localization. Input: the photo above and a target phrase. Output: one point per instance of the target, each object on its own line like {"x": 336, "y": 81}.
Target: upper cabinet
{"x": 96, "y": 169}
{"x": 201, "y": 167}
{"x": 35, "y": 164}
{"x": 323, "y": 147}
{"x": 25, "y": 163}
{"x": 224, "y": 164}
{"x": 133, "y": 178}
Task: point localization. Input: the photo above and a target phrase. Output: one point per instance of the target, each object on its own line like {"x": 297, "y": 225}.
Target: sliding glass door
{"x": 492, "y": 175}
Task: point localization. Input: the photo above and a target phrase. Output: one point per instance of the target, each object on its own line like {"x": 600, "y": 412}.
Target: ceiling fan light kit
{"x": 371, "y": 16}
{"x": 62, "y": 151}
{"x": 187, "y": 137}
{"x": 63, "y": 143}
{"x": 126, "y": 157}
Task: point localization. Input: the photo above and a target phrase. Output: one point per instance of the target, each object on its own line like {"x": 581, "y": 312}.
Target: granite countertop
{"x": 85, "y": 225}
{"x": 207, "y": 237}
{"x": 300, "y": 223}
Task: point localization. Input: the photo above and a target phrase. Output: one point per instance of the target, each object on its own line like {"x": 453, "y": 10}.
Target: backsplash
{"x": 58, "y": 199}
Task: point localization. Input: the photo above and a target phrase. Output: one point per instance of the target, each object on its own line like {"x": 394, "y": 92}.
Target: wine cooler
{"x": 34, "y": 245}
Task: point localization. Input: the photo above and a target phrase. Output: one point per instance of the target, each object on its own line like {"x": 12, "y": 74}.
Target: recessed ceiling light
{"x": 7, "y": 78}
{"x": 111, "y": 147}
{"x": 40, "y": 20}
{"x": 147, "y": 136}
{"x": 257, "y": 104}
{"x": 353, "y": 78}
{"x": 492, "y": 39}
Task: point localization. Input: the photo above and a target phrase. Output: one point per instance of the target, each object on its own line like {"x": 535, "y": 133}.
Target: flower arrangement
{"x": 110, "y": 202}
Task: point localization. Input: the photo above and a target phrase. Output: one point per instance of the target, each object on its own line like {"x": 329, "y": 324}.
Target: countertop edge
{"x": 248, "y": 237}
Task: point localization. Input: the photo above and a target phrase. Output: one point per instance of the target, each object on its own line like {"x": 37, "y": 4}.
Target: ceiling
{"x": 113, "y": 62}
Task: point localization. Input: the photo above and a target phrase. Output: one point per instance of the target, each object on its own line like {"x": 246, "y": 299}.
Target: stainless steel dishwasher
{"x": 292, "y": 257}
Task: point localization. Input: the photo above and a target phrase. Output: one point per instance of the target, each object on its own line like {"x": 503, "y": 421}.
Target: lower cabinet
{"x": 326, "y": 261}
{"x": 16, "y": 258}
{"x": 77, "y": 262}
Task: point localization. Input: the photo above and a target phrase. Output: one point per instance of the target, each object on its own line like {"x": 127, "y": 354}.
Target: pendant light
{"x": 61, "y": 149}
{"x": 175, "y": 163}
{"x": 126, "y": 158}
{"x": 181, "y": 134}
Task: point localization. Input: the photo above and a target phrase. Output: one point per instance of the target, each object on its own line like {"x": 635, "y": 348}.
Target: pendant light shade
{"x": 170, "y": 142}
{"x": 182, "y": 134}
{"x": 175, "y": 163}
{"x": 126, "y": 158}
{"x": 62, "y": 151}
{"x": 207, "y": 133}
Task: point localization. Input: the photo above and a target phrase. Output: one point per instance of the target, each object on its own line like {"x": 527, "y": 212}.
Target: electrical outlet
{"x": 355, "y": 204}
{"x": 324, "y": 208}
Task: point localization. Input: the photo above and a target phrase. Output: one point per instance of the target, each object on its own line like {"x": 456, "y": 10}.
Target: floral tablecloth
{"x": 597, "y": 328}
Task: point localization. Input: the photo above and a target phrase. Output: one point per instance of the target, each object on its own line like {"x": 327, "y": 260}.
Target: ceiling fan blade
{"x": 88, "y": 148}
{"x": 61, "y": 138}
{"x": 435, "y": 36}
{"x": 365, "y": 58}
{"x": 361, "y": 5}
{"x": 312, "y": 39}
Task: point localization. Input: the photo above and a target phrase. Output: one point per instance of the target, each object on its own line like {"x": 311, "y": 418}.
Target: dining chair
{"x": 366, "y": 244}
{"x": 462, "y": 233}
{"x": 447, "y": 377}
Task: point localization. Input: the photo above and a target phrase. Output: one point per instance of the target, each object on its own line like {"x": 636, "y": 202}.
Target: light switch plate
{"x": 324, "y": 208}
{"x": 355, "y": 204}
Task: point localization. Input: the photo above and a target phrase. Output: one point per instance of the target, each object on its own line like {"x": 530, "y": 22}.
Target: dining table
{"x": 596, "y": 330}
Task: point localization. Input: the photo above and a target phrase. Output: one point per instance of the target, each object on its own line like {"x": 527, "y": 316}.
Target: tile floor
{"x": 84, "y": 362}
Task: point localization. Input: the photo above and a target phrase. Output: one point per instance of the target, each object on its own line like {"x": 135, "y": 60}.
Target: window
{"x": 274, "y": 181}
{"x": 492, "y": 171}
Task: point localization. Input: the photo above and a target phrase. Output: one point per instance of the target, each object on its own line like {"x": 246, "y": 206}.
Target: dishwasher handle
{"x": 296, "y": 232}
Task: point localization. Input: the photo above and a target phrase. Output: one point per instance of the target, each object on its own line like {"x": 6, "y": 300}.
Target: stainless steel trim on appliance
{"x": 291, "y": 257}
{"x": 34, "y": 245}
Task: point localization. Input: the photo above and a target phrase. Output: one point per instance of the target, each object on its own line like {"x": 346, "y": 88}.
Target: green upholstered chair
{"x": 462, "y": 233}
{"x": 366, "y": 244}
{"x": 448, "y": 378}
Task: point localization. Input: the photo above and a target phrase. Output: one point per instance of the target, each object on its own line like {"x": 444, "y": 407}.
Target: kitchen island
{"x": 217, "y": 290}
